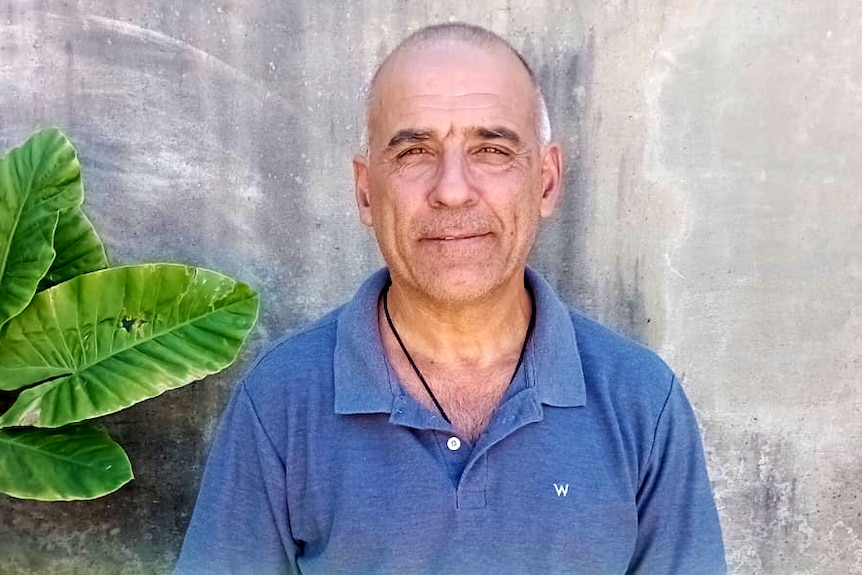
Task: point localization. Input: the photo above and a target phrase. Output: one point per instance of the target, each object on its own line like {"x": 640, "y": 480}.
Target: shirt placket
{"x": 519, "y": 410}
{"x": 455, "y": 452}
{"x": 466, "y": 464}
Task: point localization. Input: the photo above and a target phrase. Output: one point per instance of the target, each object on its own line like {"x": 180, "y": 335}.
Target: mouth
{"x": 456, "y": 237}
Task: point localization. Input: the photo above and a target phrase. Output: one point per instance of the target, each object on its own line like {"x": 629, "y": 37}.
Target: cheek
{"x": 412, "y": 184}
{"x": 509, "y": 192}
{"x": 398, "y": 184}
{"x": 391, "y": 210}
{"x": 414, "y": 167}
{"x": 503, "y": 171}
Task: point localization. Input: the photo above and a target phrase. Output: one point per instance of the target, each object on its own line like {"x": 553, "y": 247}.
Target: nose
{"x": 454, "y": 187}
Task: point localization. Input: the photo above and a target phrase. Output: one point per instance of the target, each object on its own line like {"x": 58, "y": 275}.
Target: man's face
{"x": 456, "y": 178}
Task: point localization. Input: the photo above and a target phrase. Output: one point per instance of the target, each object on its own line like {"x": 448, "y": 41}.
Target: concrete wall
{"x": 712, "y": 211}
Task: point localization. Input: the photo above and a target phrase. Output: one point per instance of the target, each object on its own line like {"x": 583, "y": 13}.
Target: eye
{"x": 493, "y": 155}
{"x": 494, "y": 151}
{"x": 412, "y": 152}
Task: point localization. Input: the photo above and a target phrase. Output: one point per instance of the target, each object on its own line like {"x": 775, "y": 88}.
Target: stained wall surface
{"x": 712, "y": 211}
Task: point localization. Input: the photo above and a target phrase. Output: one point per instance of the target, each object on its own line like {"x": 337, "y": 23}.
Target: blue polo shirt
{"x": 591, "y": 464}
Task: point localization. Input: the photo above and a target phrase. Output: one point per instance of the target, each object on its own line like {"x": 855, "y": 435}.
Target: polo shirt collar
{"x": 553, "y": 362}
{"x": 365, "y": 384}
{"x": 362, "y": 378}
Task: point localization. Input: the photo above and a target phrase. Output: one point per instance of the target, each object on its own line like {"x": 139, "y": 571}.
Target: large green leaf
{"x": 37, "y": 181}
{"x": 74, "y": 462}
{"x": 79, "y": 249}
{"x": 108, "y": 339}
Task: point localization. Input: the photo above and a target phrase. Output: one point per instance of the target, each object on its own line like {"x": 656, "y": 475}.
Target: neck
{"x": 478, "y": 333}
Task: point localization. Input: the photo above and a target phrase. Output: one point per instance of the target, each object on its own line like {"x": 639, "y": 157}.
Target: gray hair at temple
{"x": 474, "y": 36}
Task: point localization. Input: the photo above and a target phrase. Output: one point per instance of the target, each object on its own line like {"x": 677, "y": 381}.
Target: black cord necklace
{"x": 416, "y": 368}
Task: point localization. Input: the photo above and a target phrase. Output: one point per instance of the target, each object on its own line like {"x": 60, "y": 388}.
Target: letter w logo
{"x": 562, "y": 490}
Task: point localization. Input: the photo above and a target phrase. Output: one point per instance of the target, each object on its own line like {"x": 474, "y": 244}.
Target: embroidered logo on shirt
{"x": 562, "y": 489}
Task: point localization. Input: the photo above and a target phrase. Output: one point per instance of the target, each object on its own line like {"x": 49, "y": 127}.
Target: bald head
{"x": 457, "y": 33}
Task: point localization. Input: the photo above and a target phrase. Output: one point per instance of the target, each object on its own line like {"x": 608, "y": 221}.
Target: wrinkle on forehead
{"x": 443, "y": 116}
{"x": 465, "y": 101}
{"x": 455, "y": 79}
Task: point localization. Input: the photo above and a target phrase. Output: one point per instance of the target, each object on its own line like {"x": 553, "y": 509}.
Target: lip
{"x": 455, "y": 237}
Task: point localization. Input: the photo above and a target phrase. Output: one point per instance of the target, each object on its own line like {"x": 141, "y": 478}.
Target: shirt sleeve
{"x": 678, "y": 526}
{"x": 240, "y": 522}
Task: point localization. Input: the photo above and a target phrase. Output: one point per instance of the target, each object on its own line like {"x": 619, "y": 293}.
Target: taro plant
{"x": 80, "y": 339}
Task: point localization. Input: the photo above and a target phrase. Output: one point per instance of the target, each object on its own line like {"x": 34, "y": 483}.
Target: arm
{"x": 240, "y": 522}
{"x": 678, "y": 526}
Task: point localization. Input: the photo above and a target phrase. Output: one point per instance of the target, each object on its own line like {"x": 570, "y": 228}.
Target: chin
{"x": 458, "y": 286}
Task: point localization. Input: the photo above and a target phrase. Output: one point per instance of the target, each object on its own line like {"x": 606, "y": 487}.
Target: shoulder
{"x": 299, "y": 349}
{"x": 290, "y": 364}
{"x": 630, "y": 385}
{"x": 628, "y": 373}
{"x": 612, "y": 364}
{"x": 603, "y": 345}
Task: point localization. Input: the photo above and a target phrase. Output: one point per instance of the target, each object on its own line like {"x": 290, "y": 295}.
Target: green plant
{"x": 80, "y": 339}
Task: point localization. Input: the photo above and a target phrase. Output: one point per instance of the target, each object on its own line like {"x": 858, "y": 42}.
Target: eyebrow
{"x": 498, "y": 133}
{"x": 408, "y": 135}
{"x": 412, "y": 135}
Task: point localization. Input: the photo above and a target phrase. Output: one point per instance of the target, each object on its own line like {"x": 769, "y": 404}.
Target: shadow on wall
{"x": 561, "y": 252}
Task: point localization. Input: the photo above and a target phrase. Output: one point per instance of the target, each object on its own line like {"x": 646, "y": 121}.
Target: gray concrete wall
{"x": 712, "y": 211}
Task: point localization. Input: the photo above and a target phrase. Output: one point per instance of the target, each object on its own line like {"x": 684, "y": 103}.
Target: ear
{"x": 552, "y": 180}
{"x": 361, "y": 188}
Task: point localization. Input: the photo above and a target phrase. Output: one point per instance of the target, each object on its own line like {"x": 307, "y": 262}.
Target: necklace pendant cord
{"x": 408, "y": 356}
{"x": 416, "y": 368}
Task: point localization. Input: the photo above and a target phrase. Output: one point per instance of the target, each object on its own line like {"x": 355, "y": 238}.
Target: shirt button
{"x": 453, "y": 444}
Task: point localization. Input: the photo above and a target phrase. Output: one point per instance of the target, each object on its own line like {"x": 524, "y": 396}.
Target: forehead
{"x": 451, "y": 86}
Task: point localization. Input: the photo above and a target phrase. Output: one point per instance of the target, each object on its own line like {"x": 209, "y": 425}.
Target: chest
{"x": 468, "y": 396}
{"x": 466, "y": 390}
{"x": 535, "y": 496}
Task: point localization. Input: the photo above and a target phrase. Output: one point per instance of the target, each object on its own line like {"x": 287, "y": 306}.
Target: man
{"x": 455, "y": 417}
